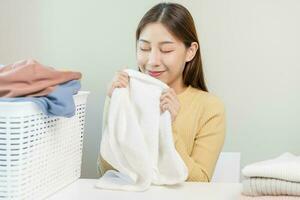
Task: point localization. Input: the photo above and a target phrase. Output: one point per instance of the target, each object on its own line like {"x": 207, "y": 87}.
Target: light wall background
{"x": 250, "y": 50}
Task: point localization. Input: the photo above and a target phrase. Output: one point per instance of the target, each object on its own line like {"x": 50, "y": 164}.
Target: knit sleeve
{"x": 102, "y": 165}
{"x": 207, "y": 143}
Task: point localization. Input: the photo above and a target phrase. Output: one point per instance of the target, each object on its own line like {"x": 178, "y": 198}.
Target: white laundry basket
{"x": 39, "y": 154}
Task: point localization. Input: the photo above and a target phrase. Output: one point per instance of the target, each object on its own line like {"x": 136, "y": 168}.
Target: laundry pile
{"x": 52, "y": 90}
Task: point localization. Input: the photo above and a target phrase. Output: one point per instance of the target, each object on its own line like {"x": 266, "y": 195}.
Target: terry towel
{"x": 137, "y": 139}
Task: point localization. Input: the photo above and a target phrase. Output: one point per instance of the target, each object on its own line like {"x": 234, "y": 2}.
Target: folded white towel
{"x": 137, "y": 140}
{"x": 285, "y": 167}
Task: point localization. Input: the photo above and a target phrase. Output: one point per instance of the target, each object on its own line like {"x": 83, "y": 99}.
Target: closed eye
{"x": 144, "y": 49}
{"x": 169, "y": 51}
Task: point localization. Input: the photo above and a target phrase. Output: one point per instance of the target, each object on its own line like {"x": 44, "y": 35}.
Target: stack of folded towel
{"x": 277, "y": 178}
{"x": 52, "y": 90}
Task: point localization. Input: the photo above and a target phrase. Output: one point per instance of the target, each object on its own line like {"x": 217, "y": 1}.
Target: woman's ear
{"x": 191, "y": 51}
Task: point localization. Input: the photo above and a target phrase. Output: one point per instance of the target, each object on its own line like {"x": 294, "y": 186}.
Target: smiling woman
{"x": 162, "y": 55}
{"x": 168, "y": 50}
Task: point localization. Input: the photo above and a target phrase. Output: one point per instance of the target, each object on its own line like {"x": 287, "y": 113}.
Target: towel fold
{"x": 137, "y": 140}
{"x": 285, "y": 167}
{"x": 268, "y": 186}
{"x": 243, "y": 197}
{"x": 30, "y": 78}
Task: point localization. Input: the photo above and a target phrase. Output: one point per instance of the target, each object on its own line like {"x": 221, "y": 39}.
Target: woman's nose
{"x": 154, "y": 58}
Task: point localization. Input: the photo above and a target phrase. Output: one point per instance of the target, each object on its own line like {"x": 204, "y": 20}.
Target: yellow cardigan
{"x": 198, "y": 133}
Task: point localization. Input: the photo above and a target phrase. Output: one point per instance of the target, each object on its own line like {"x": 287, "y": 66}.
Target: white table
{"x": 84, "y": 189}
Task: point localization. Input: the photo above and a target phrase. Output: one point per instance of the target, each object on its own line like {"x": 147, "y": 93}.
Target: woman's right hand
{"x": 120, "y": 80}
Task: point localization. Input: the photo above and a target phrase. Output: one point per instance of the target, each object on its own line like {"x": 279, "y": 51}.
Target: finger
{"x": 171, "y": 109}
{"x": 174, "y": 104}
{"x": 173, "y": 95}
{"x": 122, "y": 79}
{"x": 115, "y": 85}
{"x": 124, "y": 74}
{"x": 123, "y": 83}
{"x": 164, "y": 107}
{"x": 170, "y": 96}
{"x": 165, "y": 104}
{"x": 164, "y": 96}
{"x": 161, "y": 105}
{"x": 119, "y": 84}
{"x": 166, "y": 100}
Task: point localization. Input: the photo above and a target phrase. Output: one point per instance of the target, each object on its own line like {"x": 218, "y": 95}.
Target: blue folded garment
{"x": 58, "y": 103}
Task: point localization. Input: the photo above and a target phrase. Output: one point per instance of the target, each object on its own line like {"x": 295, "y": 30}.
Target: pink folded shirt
{"x": 30, "y": 78}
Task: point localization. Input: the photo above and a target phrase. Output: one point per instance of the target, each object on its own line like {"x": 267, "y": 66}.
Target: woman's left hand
{"x": 170, "y": 102}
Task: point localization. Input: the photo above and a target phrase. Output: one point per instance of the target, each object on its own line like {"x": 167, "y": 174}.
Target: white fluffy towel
{"x": 137, "y": 139}
{"x": 285, "y": 167}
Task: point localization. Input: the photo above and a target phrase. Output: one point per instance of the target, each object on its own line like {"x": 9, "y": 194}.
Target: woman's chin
{"x": 162, "y": 79}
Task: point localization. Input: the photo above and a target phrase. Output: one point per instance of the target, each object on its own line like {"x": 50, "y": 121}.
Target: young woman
{"x": 168, "y": 49}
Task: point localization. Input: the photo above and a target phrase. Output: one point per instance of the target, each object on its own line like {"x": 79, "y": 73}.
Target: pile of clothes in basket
{"x": 52, "y": 90}
{"x": 277, "y": 178}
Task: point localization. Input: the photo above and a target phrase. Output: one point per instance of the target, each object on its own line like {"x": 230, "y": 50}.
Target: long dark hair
{"x": 178, "y": 20}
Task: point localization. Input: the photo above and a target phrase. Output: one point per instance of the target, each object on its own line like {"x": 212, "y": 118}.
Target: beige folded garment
{"x": 30, "y": 78}
{"x": 269, "y": 198}
{"x": 258, "y": 186}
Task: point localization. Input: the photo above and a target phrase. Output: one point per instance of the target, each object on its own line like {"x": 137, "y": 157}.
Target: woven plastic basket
{"x": 39, "y": 154}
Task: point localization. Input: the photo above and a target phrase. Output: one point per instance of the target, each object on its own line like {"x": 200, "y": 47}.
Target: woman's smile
{"x": 155, "y": 73}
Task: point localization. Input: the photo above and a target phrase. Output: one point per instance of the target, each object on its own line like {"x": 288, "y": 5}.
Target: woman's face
{"x": 161, "y": 55}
